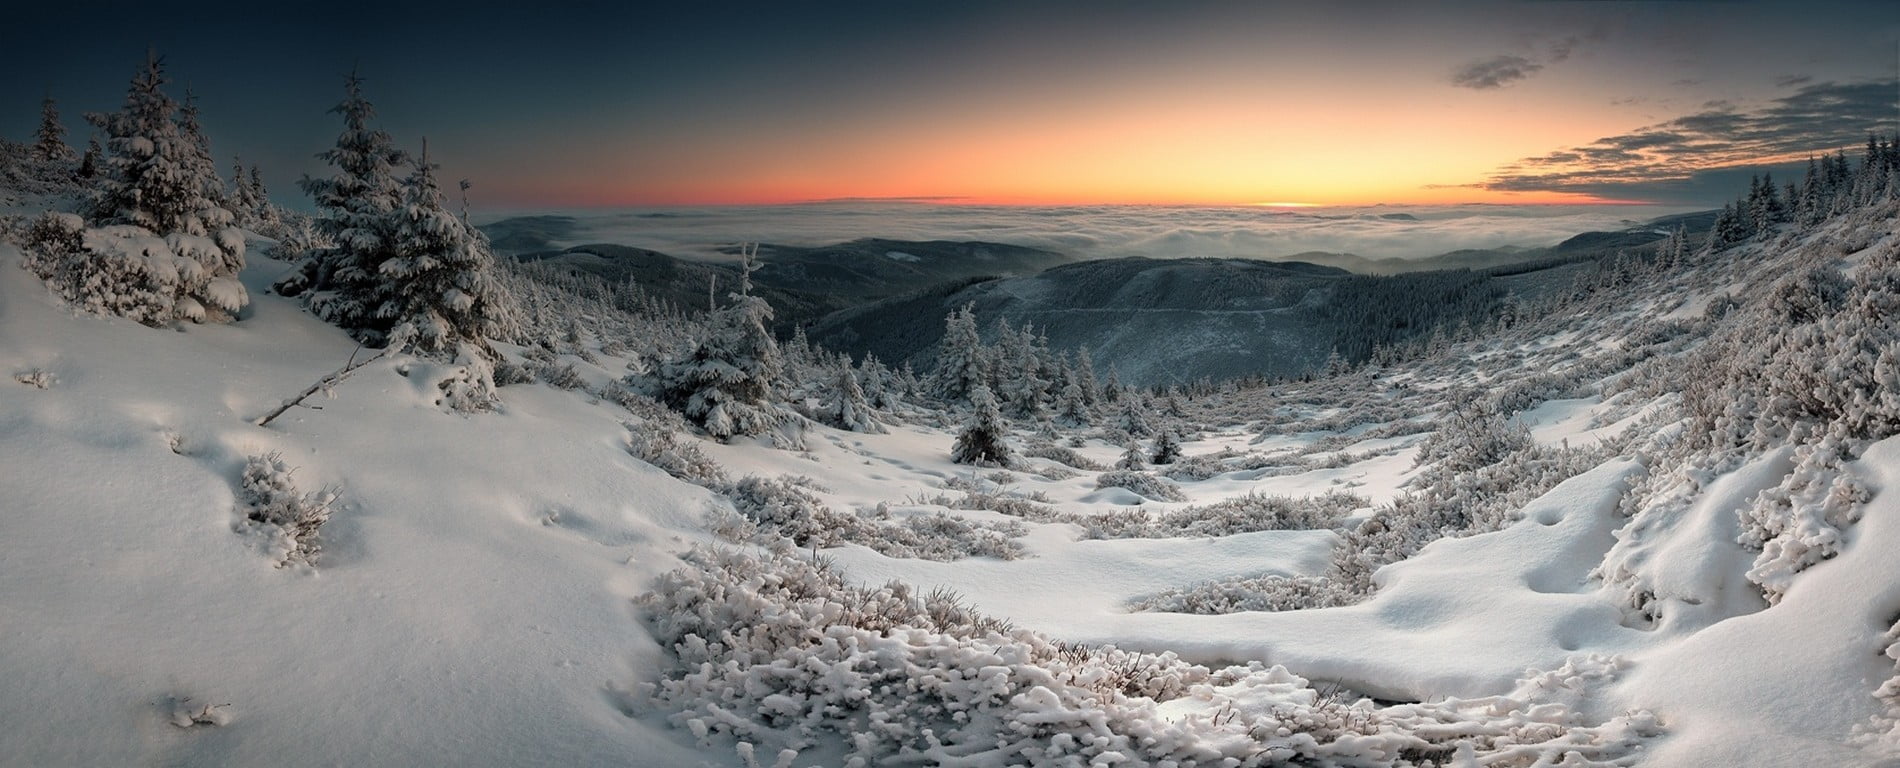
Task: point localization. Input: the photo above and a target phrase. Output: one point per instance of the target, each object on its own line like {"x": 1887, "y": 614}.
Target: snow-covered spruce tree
{"x": 162, "y": 250}
{"x": 243, "y": 199}
{"x": 342, "y": 282}
{"x": 439, "y": 289}
{"x": 850, "y": 409}
{"x": 1167, "y": 449}
{"x": 961, "y": 364}
{"x": 1132, "y": 458}
{"x": 203, "y": 169}
{"x": 982, "y": 439}
{"x": 89, "y": 162}
{"x": 726, "y": 383}
{"x": 49, "y": 146}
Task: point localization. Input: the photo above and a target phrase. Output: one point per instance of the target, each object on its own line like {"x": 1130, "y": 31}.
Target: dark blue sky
{"x": 1035, "y": 102}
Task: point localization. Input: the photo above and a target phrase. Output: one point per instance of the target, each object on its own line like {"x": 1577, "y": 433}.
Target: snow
{"x": 478, "y": 599}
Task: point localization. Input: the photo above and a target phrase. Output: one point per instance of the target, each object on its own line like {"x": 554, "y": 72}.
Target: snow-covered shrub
{"x": 1195, "y": 468}
{"x": 269, "y": 500}
{"x": 781, "y": 651}
{"x": 981, "y": 441}
{"x": 1802, "y": 521}
{"x": 1067, "y": 456}
{"x": 783, "y": 507}
{"x": 1882, "y": 732}
{"x": 726, "y": 383}
{"x": 38, "y": 378}
{"x": 1475, "y": 433}
{"x": 1147, "y": 484}
{"x": 556, "y": 375}
{"x": 1270, "y": 592}
{"x": 186, "y": 713}
{"x": 127, "y": 271}
{"x": 470, "y": 385}
{"x": 660, "y": 445}
{"x": 1227, "y": 517}
{"x": 509, "y": 373}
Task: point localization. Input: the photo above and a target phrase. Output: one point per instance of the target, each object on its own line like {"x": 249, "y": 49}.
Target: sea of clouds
{"x": 1106, "y": 231}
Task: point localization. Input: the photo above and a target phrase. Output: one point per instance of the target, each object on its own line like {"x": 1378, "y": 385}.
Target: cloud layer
{"x": 1494, "y": 72}
{"x": 1112, "y": 231}
{"x": 1665, "y": 157}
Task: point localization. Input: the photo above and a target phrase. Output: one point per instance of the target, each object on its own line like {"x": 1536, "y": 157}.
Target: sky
{"x": 548, "y": 106}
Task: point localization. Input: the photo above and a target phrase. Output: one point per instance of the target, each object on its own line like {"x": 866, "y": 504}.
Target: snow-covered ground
{"x": 477, "y": 599}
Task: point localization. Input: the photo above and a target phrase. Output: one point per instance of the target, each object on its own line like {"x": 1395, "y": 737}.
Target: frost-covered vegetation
{"x": 781, "y": 652}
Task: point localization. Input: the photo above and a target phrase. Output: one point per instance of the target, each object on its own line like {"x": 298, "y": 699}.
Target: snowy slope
{"x": 472, "y": 605}
{"x": 479, "y": 599}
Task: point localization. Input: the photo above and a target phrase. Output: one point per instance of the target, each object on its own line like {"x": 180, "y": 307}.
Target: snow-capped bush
{"x": 660, "y": 444}
{"x": 1475, "y": 433}
{"x": 1227, "y": 517}
{"x": 269, "y": 500}
{"x": 469, "y": 386}
{"x": 1196, "y": 468}
{"x": 38, "y": 378}
{"x": 1882, "y": 733}
{"x": 1147, "y": 484}
{"x": 1067, "y": 456}
{"x": 129, "y": 272}
{"x": 1803, "y": 520}
{"x": 782, "y": 652}
{"x": 783, "y": 506}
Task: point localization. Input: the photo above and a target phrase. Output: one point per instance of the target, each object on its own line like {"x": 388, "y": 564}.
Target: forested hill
{"x": 1160, "y": 321}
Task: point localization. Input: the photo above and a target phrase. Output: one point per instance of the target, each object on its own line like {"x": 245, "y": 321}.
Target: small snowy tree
{"x": 342, "y": 283}
{"x": 725, "y": 384}
{"x": 50, "y": 147}
{"x": 438, "y": 284}
{"x": 982, "y": 438}
{"x": 1132, "y": 458}
{"x": 1167, "y": 448}
{"x": 164, "y": 251}
{"x": 960, "y": 361}
{"x": 851, "y": 410}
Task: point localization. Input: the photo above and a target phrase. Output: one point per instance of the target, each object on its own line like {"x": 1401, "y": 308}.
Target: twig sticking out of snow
{"x": 323, "y": 384}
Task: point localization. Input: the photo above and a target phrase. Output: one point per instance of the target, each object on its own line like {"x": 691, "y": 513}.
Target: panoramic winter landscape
{"x": 1187, "y": 385}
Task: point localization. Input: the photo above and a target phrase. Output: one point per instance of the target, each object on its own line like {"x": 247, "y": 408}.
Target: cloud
{"x": 1502, "y": 70}
{"x": 1663, "y": 161}
{"x": 1494, "y": 72}
{"x": 1109, "y": 231}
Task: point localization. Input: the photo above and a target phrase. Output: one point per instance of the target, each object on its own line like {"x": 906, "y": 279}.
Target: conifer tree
{"x": 726, "y": 384}
{"x": 439, "y": 290}
{"x": 982, "y": 438}
{"x": 244, "y": 202}
{"x": 89, "y": 162}
{"x": 1132, "y": 459}
{"x": 961, "y": 364}
{"x": 1167, "y": 448}
{"x": 151, "y": 181}
{"x": 852, "y": 410}
{"x": 50, "y": 147}
{"x": 355, "y": 206}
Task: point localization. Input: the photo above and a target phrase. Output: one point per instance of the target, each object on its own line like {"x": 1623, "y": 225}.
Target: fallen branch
{"x": 322, "y": 384}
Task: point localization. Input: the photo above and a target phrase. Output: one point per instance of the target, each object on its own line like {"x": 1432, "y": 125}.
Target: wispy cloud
{"x": 1815, "y": 118}
{"x": 1499, "y": 71}
{"x": 1494, "y": 72}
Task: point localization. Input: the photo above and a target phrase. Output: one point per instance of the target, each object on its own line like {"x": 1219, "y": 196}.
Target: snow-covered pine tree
{"x": 982, "y": 438}
{"x": 243, "y": 196}
{"x": 342, "y": 283}
{"x": 726, "y": 383}
{"x": 439, "y": 290}
{"x": 1071, "y": 406}
{"x": 89, "y": 162}
{"x": 49, "y": 147}
{"x": 203, "y": 169}
{"x": 1085, "y": 376}
{"x": 1167, "y": 448}
{"x": 1132, "y": 458}
{"x": 961, "y": 364}
{"x": 163, "y": 251}
{"x": 1134, "y": 416}
{"x": 851, "y": 410}
{"x": 269, "y": 220}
